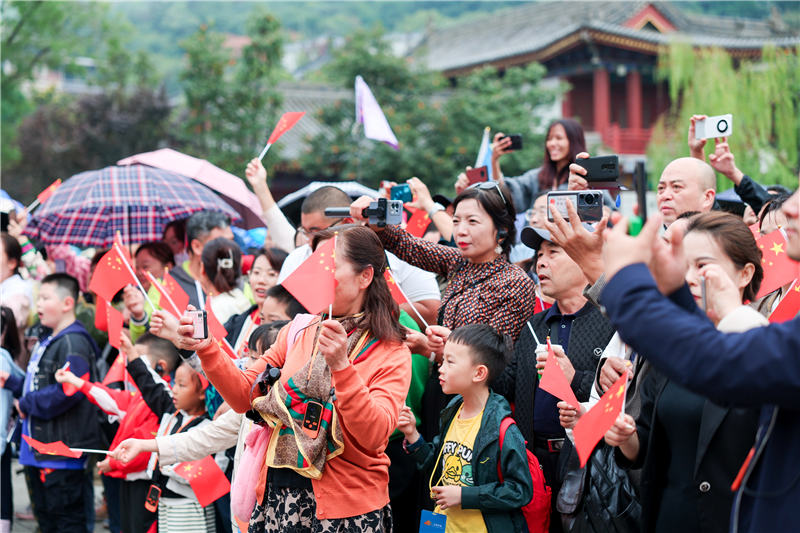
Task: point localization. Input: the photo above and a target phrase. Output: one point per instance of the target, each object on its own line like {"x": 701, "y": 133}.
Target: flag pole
{"x": 264, "y": 151}
{"x": 32, "y": 206}
{"x": 163, "y": 291}
{"x": 90, "y": 450}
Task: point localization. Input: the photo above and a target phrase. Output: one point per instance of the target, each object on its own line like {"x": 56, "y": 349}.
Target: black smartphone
{"x": 4, "y": 219}
{"x": 640, "y": 183}
{"x": 601, "y": 168}
{"x": 313, "y": 417}
{"x": 516, "y": 141}
{"x": 401, "y": 192}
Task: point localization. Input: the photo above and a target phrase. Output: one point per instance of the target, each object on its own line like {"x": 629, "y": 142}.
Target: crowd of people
{"x": 375, "y": 413}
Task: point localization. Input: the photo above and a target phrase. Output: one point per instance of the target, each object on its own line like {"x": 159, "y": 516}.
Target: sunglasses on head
{"x": 488, "y": 186}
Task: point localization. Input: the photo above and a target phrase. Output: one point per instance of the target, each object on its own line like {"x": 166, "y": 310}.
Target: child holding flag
{"x": 463, "y": 458}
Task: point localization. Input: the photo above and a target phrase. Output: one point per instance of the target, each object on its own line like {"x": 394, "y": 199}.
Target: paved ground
{"x": 21, "y": 501}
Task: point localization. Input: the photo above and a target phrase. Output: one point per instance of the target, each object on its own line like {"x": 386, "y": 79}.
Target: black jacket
{"x": 726, "y": 435}
{"x": 589, "y": 335}
{"x": 235, "y": 323}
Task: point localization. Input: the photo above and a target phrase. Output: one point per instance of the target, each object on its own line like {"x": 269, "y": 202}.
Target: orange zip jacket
{"x": 369, "y": 395}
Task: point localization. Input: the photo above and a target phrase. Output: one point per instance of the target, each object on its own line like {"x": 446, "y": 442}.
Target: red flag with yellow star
{"x": 110, "y": 275}
{"x": 418, "y": 223}
{"x": 789, "y": 306}
{"x": 48, "y": 192}
{"x": 286, "y": 122}
{"x": 215, "y": 327}
{"x": 51, "y": 448}
{"x": 778, "y": 268}
{"x": 313, "y": 282}
{"x": 394, "y": 288}
{"x": 206, "y": 479}
{"x": 176, "y": 292}
{"x": 592, "y": 426}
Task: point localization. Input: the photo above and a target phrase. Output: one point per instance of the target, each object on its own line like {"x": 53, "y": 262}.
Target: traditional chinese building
{"x": 606, "y": 51}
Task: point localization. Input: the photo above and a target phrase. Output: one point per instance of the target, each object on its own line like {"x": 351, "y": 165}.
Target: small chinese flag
{"x": 755, "y": 230}
{"x": 166, "y": 301}
{"x": 51, "y": 448}
{"x": 789, "y": 306}
{"x": 215, "y": 327}
{"x": 206, "y": 479}
{"x": 418, "y": 223}
{"x": 100, "y": 316}
{"x": 117, "y": 372}
{"x": 48, "y": 192}
{"x": 554, "y": 381}
{"x": 286, "y": 122}
{"x": 110, "y": 275}
{"x": 394, "y": 288}
{"x": 122, "y": 248}
{"x": 592, "y": 426}
{"x": 70, "y": 389}
{"x": 778, "y": 268}
{"x": 114, "y": 326}
{"x": 176, "y": 292}
{"x": 313, "y": 282}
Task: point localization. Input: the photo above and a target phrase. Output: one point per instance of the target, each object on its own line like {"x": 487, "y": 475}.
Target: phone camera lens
{"x": 722, "y": 125}
{"x": 589, "y": 200}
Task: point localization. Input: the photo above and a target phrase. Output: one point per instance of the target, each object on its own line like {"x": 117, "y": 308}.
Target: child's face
{"x": 273, "y": 310}
{"x": 458, "y": 372}
{"x": 186, "y": 394}
{"x": 51, "y": 306}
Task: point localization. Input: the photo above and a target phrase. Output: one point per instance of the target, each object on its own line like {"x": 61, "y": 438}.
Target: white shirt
{"x": 416, "y": 283}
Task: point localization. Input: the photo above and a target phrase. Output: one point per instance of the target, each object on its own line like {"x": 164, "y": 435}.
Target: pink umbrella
{"x": 231, "y": 188}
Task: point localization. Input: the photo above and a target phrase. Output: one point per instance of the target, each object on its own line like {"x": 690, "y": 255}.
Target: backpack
{"x": 537, "y": 511}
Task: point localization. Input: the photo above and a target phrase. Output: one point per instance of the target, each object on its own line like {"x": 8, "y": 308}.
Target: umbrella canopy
{"x": 8, "y": 204}
{"x": 232, "y": 189}
{"x": 138, "y": 201}
{"x": 290, "y": 204}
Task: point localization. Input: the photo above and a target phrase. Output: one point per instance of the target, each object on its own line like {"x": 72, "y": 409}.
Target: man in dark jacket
{"x": 50, "y": 415}
{"x": 581, "y": 330}
{"x": 759, "y": 367}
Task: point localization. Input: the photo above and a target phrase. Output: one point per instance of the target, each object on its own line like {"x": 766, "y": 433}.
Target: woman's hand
{"x": 577, "y": 175}
{"x": 437, "y": 337}
{"x": 422, "y": 196}
{"x": 568, "y": 414}
{"x": 462, "y": 182}
{"x": 447, "y": 496}
{"x": 333, "y": 344}
{"x": 501, "y": 144}
{"x": 358, "y": 206}
{"x": 621, "y": 432}
{"x": 133, "y": 299}
{"x": 417, "y": 342}
{"x": 184, "y": 339}
{"x": 610, "y": 372}
{"x": 696, "y": 145}
{"x": 127, "y": 450}
{"x": 256, "y": 175}
{"x": 722, "y": 294}
{"x": 407, "y": 424}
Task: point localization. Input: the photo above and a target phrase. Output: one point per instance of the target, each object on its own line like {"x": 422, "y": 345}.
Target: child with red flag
{"x": 49, "y": 415}
{"x": 152, "y": 357}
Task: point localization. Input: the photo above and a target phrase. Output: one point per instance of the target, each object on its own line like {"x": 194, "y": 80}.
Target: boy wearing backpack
{"x": 466, "y": 483}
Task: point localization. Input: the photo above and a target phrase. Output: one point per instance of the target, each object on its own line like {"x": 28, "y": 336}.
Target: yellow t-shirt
{"x": 457, "y": 470}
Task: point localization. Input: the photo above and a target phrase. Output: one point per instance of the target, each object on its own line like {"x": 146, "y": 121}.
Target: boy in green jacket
{"x": 463, "y": 458}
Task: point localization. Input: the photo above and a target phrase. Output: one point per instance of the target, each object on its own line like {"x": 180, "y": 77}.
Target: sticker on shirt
{"x": 457, "y": 464}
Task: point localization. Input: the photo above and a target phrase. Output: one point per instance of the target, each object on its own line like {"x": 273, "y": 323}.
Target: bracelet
{"x": 409, "y": 448}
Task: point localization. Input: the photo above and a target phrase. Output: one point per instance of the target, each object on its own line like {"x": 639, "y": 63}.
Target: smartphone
{"x": 200, "y": 323}
{"x": 588, "y": 204}
{"x": 151, "y": 501}
{"x": 401, "y": 192}
{"x": 477, "y": 175}
{"x": 711, "y": 127}
{"x": 516, "y": 141}
{"x": 4, "y": 219}
{"x": 603, "y": 168}
{"x": 312, "y": 418}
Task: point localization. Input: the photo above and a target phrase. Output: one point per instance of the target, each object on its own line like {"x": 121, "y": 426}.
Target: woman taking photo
{"x": 354, "y": 371}
{"x": 689, "y": 448}
{"x": 564, "y": 141}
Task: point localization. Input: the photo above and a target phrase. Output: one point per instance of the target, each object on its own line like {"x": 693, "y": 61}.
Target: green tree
{"x": 232, "y": 103}
{"x": 762, "y": 95}
{"x": 439, "y": 127}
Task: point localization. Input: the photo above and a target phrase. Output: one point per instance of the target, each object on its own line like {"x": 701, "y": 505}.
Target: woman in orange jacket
{"x": 343, "y": 380}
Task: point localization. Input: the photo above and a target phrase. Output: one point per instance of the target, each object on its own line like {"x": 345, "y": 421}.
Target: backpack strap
{"x": 504, "y": 425}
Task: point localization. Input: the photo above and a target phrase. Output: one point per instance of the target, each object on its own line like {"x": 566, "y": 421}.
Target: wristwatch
{"x": 435, "y": 209}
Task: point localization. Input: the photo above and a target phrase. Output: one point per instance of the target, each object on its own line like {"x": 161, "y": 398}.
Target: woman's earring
{"x": 498, "y": 249}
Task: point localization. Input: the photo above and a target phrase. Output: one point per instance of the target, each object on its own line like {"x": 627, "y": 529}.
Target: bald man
{"x": 686, "y": 184}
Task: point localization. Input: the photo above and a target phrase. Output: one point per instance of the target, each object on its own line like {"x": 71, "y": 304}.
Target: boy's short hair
{"x": 488, "y": 347}
{"x": 265, "y": 335}
{"x": 293, "y": 307}
{"x": 160, "y": 349}
{"x": 66, "y": 285}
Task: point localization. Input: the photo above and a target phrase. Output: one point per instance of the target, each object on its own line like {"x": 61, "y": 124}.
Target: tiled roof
{"x": 532, "y": 27}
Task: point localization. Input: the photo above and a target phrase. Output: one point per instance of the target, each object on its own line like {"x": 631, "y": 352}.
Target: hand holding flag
{"x": 554, "y": 381}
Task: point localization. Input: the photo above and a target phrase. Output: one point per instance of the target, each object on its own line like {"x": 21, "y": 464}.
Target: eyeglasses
{"x": 488, "y": 186}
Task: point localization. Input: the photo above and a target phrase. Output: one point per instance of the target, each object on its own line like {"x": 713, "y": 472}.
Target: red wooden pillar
{"x": 633, "y": 93}
{"x": 602, "y": 100}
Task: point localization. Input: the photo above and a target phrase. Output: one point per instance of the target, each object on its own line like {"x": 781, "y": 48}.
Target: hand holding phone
{"x": 200, "y": 323}
{"x": 516, "y": 142}
{"x": 402, "y": 192}
{"x": 477, "y": 175}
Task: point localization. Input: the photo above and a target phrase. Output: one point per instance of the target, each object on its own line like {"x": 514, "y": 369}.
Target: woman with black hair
{"x": 11, "y": 347}
{"x": 221, "y": 269}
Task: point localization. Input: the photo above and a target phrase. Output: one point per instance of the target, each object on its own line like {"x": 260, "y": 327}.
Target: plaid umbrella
{"x": 138, "y": 201}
